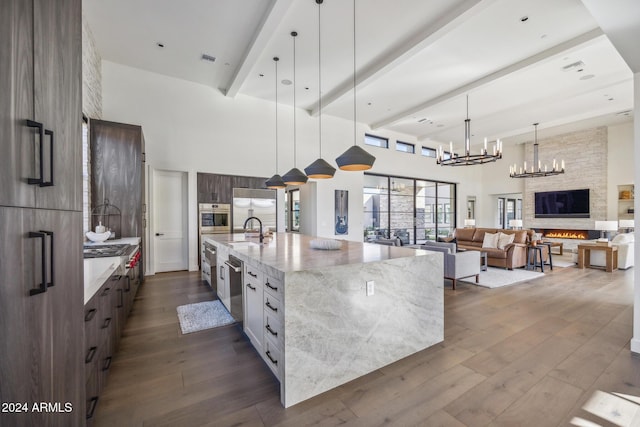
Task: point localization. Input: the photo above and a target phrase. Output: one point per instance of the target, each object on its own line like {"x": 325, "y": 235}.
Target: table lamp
{"x": 516, "y": 224}
{"x": 605, "y": 227}
{"x": 469, "y": 223}
{"x": 627, "y": 224}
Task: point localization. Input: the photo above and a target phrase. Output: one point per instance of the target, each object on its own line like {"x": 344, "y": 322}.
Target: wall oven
{"x": 214, "y": 218}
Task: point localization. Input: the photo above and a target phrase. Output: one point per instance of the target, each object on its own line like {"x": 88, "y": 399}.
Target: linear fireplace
{"x": 558, "y": 233}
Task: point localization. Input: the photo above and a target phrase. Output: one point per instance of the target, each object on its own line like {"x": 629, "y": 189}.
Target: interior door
{"x": 169, "y": 222}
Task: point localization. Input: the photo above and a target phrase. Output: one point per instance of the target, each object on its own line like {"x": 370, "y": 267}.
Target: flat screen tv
{"x": 562, "y": 204}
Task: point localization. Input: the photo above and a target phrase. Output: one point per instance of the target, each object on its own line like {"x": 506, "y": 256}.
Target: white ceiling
{"x": 415, "y": 59}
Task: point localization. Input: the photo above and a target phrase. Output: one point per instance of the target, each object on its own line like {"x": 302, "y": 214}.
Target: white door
{"x": 170, "y": 221}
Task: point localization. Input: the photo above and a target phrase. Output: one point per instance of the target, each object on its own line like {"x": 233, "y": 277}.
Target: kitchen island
{"x": 315, "y": 319}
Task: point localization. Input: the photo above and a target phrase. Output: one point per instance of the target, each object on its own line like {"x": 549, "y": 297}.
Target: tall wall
{"x": 585, "y": 154}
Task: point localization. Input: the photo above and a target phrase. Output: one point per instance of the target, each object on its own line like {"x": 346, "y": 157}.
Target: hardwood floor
{"x": 530, "y": 354}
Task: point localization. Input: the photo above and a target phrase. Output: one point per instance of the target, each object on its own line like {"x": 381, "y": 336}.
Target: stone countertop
{"x": 124, "y": 241}
{"x": 96, "y": 272}
{"x": 292, "y": 252}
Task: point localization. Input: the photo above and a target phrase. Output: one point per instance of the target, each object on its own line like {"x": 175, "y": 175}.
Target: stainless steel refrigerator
{"x": 249, "y": 202}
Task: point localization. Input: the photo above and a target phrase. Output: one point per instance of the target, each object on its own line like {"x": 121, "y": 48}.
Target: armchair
{"x": 457, "y": 265}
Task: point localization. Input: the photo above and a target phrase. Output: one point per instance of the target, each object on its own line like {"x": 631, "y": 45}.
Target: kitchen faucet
{"x": 260, "y": 222}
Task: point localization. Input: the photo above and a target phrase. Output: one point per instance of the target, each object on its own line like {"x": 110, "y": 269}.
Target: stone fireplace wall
{"x": 585, "y": 156}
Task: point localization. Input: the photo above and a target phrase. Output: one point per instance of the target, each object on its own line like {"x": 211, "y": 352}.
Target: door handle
{"x": 43, "y": 262}
{"x": 42, "y": 132}
{"x": 159, "y": 234}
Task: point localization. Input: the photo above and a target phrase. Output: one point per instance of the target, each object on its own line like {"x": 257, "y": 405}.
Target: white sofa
{"x": 625, "y": 243}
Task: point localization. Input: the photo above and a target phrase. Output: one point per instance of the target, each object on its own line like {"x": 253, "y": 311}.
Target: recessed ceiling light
{"x": 286, "y": 82}
{"x": 524, "y": 19}
{"x": 610, "y": 99}
{"x": 440, "y": 125}
{"x": 579, "y": 65}
{"x": 160, "y": 45}
{"x": 422, "y": 120}
{"x": 624, "y": 113}
{"x": 261, "y": 75}
{"x": 544, "y": 36}
{"x": 587, "y": 77}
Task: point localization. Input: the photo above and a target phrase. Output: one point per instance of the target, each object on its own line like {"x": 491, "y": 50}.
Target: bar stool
{"x": 534, "y": 258}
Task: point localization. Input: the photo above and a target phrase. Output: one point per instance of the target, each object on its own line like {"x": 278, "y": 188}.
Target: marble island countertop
{"x": 292, "y": 251}
{"x": 344, "y": 313}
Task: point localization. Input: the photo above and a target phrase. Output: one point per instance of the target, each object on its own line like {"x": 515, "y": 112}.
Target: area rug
{"x": 498, "y": 277}
{"x": 562, "y": 263}
{"x": 203, "y": 315}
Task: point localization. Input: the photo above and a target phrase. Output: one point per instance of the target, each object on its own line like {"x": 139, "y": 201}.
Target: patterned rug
{"x": 203, "y": 315}
{"x": 498, "y": 277}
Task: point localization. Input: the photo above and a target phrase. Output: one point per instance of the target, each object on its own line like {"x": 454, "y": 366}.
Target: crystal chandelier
{"x": 466, "y": 158}
{"x": 537, "y": 169}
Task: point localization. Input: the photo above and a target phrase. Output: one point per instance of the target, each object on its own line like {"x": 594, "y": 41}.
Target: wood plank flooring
{"x": 529, "y": 354}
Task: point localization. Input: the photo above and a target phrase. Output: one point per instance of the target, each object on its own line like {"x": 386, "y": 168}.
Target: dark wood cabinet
{"x": 41, "y": 315}
{"x": 41, "y": 292}
{"x": 117, "y": 175}
{"x": 41, "y": 82}
{"x": 217, "y": 188}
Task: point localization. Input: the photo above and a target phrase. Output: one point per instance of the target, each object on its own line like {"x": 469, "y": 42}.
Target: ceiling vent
{"x": 624, "y": 113}
{"x": 209, "y": 58}
{"x": 577, "y": 66}
{"x": 422, "y": 120}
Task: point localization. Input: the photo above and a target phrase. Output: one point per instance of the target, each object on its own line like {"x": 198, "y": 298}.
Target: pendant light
{"x": 320, "y": 168}
{"x": 276, "y": 182}
{"x": 295, "y": 175}
{"x": 355, "y": 158}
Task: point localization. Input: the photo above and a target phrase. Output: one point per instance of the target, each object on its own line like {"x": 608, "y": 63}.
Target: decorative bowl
{"x": 98, "y": 237}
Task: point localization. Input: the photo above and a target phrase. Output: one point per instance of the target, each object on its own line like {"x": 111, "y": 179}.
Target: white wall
{"x": 620, "y": 169}
{"x": 635, "y": 342}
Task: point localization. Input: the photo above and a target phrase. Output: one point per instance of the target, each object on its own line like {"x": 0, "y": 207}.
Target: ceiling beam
{"x": 413, "y": 45}
{"x": 573, "y": 43}
{"x": 261, "y": 37}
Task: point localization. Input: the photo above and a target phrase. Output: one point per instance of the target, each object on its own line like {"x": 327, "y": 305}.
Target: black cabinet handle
{"x": 106, "y": 323}
{"x": 221, "y": 272}
{"x": 128, "y": 284}
{"x": 105, "y": 292}
{"x": 252, "y": 274}
{"x": 268, "y": 304}
{"x": 251, "y": 287}
{"x": 42, "y": 132}
{"x": 40, "y": 180}
{"x": 90, "y": 354}
{"x": 274, "y": 361}
{"x": 90, "y": 315}
{"x": 274, "y": 333}
{"x": 159, "y": 234}
{"x": 43, "y": 260}
{"x": 121, "y": 303}
{"x": 93, "y": 402}
{"x": 107, "y": 364}
{"x": 275, "y": 288}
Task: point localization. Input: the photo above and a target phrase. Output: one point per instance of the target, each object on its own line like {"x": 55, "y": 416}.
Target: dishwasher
{"x": 235, "y": 287}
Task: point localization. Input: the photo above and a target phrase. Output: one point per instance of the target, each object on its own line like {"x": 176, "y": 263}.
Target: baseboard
{"x": 635, "y": 346}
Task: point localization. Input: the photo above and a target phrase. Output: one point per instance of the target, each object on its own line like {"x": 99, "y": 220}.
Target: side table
{"x": 611, "y": 256}
{"x": 534, "y": 258}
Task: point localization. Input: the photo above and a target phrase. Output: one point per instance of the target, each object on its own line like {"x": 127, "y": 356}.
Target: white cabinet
{"x": 253, "y": 312}
{"x": 204, "y": 265}
{"x": 224, "y": 295}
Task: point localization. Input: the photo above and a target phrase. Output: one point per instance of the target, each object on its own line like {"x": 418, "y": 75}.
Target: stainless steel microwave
{"x": 214, "y": 218}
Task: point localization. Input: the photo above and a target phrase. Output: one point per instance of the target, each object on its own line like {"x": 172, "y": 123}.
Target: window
{"x": 405, "y": 147}
{"x": 429, "y": 152}
{"x": 293, "y": 210}
{"x": 410, "y": 209}
{"x": 376, "y": 141}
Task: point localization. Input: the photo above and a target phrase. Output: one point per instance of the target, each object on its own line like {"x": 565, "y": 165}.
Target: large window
{"x": 410, "y": 209}
{"x": 405, "y": 147}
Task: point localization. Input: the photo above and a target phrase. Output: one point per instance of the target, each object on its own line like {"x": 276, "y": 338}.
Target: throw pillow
{"x": 504, "y": 239}
{"x": 490, "y": 240}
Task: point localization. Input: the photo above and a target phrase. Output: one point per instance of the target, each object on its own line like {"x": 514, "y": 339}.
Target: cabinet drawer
{"x": 273, "y": 328}
{"x": 273, "y": 286}
{"x": 252, "y": 274}
{"x": 272, "y": 356}
{"x": 272, "y": 306}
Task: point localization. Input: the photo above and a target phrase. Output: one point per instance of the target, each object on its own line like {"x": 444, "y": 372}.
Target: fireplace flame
{"x": 567, "y": 234}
